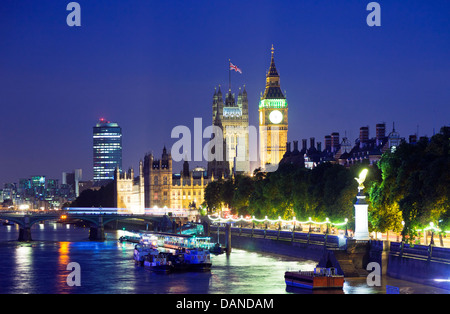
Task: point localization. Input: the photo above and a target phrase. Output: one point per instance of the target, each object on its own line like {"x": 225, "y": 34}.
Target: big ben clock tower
{"x": 273, "y": 120}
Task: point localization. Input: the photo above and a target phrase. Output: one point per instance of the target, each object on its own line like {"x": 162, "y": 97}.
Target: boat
{"x": 320, "y": 278}
{"x": 132, "y": 239}
{"x": 141, "y": 251}
{"x": 129, "y": 236}
{"x": 192, "y": 229}
{"x": 216, "y": 249}
{"x": 198, "y": 259}
{"x": 168, "y": 260}
{"x": 158, "y": 262}
{"x": 178, "y": 241}
{"x": 149, "y": 240}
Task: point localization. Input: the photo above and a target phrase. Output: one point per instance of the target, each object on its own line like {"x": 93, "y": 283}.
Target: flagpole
{"x": 229, "y": 74}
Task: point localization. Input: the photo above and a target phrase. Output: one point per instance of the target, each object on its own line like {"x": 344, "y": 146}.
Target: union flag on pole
{"x": 234, "y": 67}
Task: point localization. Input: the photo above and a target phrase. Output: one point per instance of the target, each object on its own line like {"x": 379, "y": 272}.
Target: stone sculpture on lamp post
{"x": 361, "y": 210}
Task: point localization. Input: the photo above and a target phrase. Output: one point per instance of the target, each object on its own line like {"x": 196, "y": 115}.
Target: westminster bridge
{"x": 96, "y": 220}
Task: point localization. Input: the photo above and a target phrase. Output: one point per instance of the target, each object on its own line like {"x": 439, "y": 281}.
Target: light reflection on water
{"x": 23, "y": 267}
{"x": 107, "y": 267}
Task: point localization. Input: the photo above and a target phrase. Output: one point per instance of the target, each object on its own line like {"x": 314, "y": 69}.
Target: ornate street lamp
{"x": 361, "y": 210}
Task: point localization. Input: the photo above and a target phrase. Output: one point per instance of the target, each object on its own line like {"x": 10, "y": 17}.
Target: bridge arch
{"x": 18, "y": 220}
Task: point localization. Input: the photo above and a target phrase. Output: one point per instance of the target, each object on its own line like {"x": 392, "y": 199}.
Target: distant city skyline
{"x": 153, "y": 66}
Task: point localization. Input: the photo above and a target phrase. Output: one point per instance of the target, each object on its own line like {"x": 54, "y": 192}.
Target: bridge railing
{"x": 420, "y": 251}
{"x": 283, "y": 235}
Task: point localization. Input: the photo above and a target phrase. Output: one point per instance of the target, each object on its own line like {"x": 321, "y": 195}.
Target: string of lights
{"x": 294, "y": 220}
{"x": 309, "y": 221}
{"x": 433, "y": 228}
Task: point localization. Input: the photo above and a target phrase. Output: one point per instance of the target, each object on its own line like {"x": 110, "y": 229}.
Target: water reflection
{"x": 22, "y": 272}
{"x": 296, "y": 290}
{"x": 63, "y": 261}
{"x": 63, "y": 254}
{"x": 359, "y": 286}
{"x": 108, "y": 267}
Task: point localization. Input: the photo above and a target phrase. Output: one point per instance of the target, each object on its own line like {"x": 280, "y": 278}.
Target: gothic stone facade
{"x": 157, "y": 186}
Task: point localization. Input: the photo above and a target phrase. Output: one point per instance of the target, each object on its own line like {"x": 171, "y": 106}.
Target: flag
{"x": 234, "y": 67}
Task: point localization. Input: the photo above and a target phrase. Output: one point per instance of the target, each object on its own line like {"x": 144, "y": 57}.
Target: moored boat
{"x": 216, "y": 249}
{"x": 198, "y": 259}
{"x": 141, "y": 251}
{"x": 178, "y": 261}
{"x": 132, "y": 239}
{"x": 158, "y": 262}
{"x": 320, "y": 278}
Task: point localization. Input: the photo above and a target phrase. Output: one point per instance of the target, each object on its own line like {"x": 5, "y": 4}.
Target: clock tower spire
{"x": 273, "y": 119}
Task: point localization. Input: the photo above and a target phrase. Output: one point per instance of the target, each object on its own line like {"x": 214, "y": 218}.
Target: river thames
{"x": 40, "y": 267}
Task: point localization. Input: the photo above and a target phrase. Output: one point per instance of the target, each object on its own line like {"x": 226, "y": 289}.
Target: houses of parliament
{"x": 157, "y": 186}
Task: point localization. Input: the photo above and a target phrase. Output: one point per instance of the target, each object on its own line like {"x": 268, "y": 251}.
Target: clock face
{"x": 276, "y": 117}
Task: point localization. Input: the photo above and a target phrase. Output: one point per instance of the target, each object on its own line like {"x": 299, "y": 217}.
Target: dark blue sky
{"x": 152, "y": 65}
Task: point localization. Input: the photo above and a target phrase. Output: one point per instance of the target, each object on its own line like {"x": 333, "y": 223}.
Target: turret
{"x": 244, "y": 104}
{"x": 219, "y": 107}
{"x": 185, "y": 168}
{"x": 215, "y": 104}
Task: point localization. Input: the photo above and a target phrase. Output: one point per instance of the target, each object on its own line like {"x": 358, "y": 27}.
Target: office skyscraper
{"x": 107, "y": 151}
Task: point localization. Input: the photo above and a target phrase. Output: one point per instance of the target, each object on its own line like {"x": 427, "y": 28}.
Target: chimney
{"x": 295, "y": 146}
{"x": 328, "y": 142}
{"x": 334, "y": 141}
{"x": 312, "y": 142}
{"x": 319, "y": 147}
{"x": 364, "y": 134}
{"x": 304, "y": 144}
{"x": 381, "y": 131}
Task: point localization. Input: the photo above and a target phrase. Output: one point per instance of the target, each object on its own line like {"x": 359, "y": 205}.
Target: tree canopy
{"x": 328, "y": 190}
{"x": 415, "y": 186}
{"x": 104, "y": 197}
{"x": 407, "y": 189}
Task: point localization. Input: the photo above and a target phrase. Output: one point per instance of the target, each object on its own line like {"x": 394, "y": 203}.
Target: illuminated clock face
{"x": 276, "y": 117}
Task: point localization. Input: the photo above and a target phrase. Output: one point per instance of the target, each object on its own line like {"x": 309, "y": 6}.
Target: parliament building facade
{"x": 157, "y": 187}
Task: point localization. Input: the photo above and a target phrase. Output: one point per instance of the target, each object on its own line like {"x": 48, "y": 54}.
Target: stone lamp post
{"x": 361, "y": 210}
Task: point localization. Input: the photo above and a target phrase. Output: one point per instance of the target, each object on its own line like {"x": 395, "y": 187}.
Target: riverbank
{"x": 354, "y": 260}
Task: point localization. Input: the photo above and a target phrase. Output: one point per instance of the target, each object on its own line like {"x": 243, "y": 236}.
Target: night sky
{"x": 152, "y": 65}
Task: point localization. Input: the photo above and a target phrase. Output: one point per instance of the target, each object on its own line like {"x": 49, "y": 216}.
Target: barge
{"x": 320, "y": 278}
{"x": 168, "y": 260}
